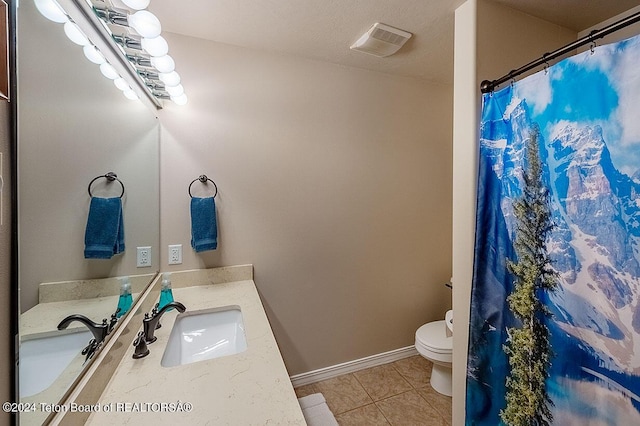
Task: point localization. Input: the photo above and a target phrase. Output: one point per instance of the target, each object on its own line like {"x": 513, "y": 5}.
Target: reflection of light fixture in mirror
{"x": 75, "y": 34}
{"x": 109, "y": 71}
{"x": 121, "y": 84}
{"x": 93, "y": 54}
{"x": 130, "y": 94}
{"x": 51, "y": 10}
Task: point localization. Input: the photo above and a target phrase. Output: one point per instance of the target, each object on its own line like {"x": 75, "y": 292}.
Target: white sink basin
{"x": 42, "y": 360}
{"x": 206, "y": 334}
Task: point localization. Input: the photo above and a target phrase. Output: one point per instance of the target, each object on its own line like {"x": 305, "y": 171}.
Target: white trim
{"x": 352, "y": 366}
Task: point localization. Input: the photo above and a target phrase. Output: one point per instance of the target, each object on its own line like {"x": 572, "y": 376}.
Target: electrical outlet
{"x": 175, "y": 254}
{"x": 144, "y": 257}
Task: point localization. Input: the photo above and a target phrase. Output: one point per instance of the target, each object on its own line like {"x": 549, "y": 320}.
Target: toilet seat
{"x": 433, "y": 337}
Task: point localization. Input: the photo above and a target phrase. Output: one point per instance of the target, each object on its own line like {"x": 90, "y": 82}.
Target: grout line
{"x": 375, "y": 403}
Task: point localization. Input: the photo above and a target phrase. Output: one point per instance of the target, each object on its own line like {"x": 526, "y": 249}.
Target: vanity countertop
{"x": 248, "y": 388}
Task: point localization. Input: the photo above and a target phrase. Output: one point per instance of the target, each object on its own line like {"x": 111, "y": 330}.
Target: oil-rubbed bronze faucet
{"x": 99, "y": 331}
{"x": 151, "y": 322}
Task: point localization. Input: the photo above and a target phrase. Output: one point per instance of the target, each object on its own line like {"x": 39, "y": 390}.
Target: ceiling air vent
{"x": 381, "y": 40}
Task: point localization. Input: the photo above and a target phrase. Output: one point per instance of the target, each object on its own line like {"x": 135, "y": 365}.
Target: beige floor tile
{"x": 343, "y": 393}
{"x": 440, "y": 402}
{"x": 382, "y": 381}
{"x": 369, "y": 415}
{"x": 415, "y": 369}
{"x": 410, "y": 409}
{"x": 306, "y": 390}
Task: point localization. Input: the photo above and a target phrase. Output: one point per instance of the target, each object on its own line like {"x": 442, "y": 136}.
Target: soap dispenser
{"x": 166, "y": 295}
{"x": 125, "y": 300}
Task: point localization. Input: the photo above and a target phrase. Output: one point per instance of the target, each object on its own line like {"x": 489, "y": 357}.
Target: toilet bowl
{"x": 434, "y": 342}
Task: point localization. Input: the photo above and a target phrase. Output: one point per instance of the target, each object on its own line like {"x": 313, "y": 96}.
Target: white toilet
{"x": 434, "y": 341}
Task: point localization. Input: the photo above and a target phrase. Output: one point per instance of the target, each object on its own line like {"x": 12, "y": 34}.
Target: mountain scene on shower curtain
{"x": 595, "y": 248}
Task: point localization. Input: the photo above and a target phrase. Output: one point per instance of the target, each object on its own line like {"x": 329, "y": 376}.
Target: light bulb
{"x": 51, "y": 10}
{"x": 156, "y": 46}
{"x": 145, "y": 23}
{"x": 109, "y": 71}
{"x": 93, "y": 54}
{"x": 121, "y": 84}
{"x": 164, "y": 64}
{"x": 130, "y": 94}
{"x": 179, "y": 100}
{"x": 137, "y": 4}
{"x": 170, "y": 79}
{"x": 175, "y": 90}
{"x": 75, "y": 34}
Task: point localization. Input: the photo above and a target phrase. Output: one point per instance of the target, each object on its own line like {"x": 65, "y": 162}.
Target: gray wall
{"x": 334, "y": 182}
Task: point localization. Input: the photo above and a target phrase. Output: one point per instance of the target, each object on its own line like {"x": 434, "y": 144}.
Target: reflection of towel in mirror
{"x": 204, "y": 229}
{"x": 104, "y": 235}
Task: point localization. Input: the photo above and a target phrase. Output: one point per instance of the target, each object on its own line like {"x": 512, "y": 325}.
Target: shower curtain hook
{"x": 546, "y": 63}
{"x": 593, "y": 41}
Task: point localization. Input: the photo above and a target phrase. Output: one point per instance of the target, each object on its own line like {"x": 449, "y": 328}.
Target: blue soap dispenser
{"x": 125, "y": 300}
{"x": 166, "y": 295}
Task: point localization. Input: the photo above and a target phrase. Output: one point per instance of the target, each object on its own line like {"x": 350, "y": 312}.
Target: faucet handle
{"x": 90, "y": 349}
{"x": 141, "y": 346}
{"x": 114, "y": 320}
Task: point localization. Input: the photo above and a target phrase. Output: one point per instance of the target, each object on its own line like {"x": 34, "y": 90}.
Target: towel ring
{"x": 110, "y": 177}
{"x": 203, "y": 179}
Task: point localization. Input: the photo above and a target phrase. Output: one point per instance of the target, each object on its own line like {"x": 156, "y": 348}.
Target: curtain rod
{"x": 488, "y": 86}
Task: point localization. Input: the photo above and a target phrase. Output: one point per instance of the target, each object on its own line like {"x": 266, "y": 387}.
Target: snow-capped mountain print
{"x": 587, "y": 110}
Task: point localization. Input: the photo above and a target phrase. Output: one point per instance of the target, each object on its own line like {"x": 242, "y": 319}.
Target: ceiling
{"x": 324, "y": 29}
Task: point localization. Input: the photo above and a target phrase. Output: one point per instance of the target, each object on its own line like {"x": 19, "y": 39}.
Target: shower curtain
{"x": 555, "y": 304}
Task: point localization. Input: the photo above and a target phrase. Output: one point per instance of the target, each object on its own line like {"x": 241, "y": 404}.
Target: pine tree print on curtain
{"x": 578, "y": 296}
{"x": 527, "y": 347}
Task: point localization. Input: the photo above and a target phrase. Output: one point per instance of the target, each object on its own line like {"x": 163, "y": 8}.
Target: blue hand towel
{"x": 204, "y": 229}
{"x": 104, "y": 235}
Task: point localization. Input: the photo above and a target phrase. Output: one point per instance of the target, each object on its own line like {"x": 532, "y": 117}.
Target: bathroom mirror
{"x": 74, "y": 125}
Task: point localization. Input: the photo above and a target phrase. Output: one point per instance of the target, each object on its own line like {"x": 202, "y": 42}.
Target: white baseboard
{"x": 352, "y": 366}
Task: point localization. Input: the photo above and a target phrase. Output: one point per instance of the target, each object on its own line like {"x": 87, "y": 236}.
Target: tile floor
{"x": 396, "y": 394}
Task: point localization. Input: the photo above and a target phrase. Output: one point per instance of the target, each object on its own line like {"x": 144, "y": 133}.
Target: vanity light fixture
{"x": 144, "y": 22}
{"x": 131, "y": 35}
{"x": 136, "y": 4}
{"x": 137, "y": 33}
